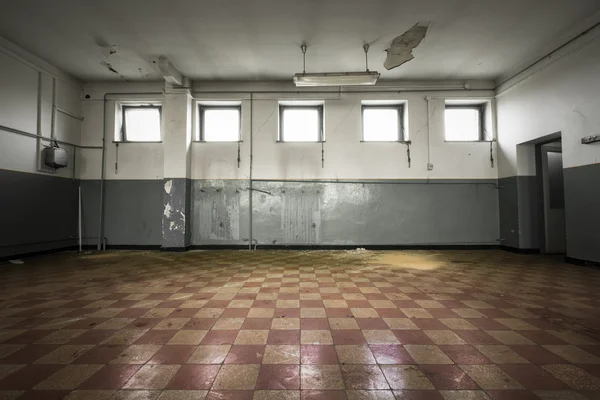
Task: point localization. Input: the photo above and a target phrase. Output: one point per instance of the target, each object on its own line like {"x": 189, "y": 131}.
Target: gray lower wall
{"x": 518, "y": 212}
{"x": 528, "y": 212}
{"x": 342, "y": 213}
{"x": 133, "y": 211}
{"x": 582, "y": 212}
{"x": 37, "y": 212}
{"x": 288, "y": 213}
{"x": 508, "y": 203}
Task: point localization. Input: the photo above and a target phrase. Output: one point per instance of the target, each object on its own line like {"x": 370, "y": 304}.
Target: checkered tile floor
{"x": 299, "y": 325}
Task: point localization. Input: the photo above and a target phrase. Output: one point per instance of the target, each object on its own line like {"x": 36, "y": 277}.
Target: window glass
{"x": 463, "y": 124}
{"x": 301, "y": 124}
{"x": 220, "y": 124}
{"x": 381, "y": 124}
{"x": 141, "y": 124}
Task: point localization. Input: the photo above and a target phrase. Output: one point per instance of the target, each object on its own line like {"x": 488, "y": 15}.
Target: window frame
{"x": 317, "y": 107}
{"x": 126, "y": 107}
{"x": 398, "y": 107}
{"x": 202, "y": 109}
{"x": 480, "y": 108}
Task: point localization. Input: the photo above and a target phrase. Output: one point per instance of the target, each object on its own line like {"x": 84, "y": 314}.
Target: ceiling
{"x": 260, "y": 39}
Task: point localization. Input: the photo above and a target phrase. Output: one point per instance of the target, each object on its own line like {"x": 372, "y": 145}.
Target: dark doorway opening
{"x": 551, "y": 196}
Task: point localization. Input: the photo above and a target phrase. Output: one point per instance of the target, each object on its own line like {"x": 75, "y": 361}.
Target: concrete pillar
{"x": 177, "y": 141}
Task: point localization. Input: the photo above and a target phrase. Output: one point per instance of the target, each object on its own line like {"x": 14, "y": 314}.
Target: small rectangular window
{"x": 382, "y": 123}
{"x": 301, "y": 123}
{"x": 220, "y": 123}
{"x": 464, "y": 123}
{"x": 141, "y": 123}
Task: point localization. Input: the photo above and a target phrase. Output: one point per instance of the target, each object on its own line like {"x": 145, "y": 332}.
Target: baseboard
{"x": 519, "y": 250}
{"x": 583, "y": 263}
{"x": 299, "y": 247}
{"x": 39, "y": 253}
{"x": 124, "y": 247}
{"x": 345, "y": 247}
{"x": 175, "y": 249}
{"x": 218, "y": 247}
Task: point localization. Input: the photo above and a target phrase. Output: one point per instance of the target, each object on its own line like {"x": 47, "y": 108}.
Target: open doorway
{"x": 551, "y": 196}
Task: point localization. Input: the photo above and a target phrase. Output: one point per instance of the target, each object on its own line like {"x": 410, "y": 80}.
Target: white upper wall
{"x": 562, "y": 94}
{"x": 26, "y": 85}
{"x": 346, "y": 157}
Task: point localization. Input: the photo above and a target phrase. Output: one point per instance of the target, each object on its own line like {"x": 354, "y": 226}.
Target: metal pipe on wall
{"x": 385, "y": 182}
{"x": 65, "y": 112}
{"x": 74, "y": 161}
{"x": 80, "y": 222}
{"x": 250, "y": 194}
{"x": 101, "y": 211}
{"x": 34, "y": 136}
{"x": 38, "y": 126}
{"x": 53, "y": 114}
{"x": 429, "y": 166}
{"x": 381, "y": 91}
{"x": 501, "y": 89}
{"x": 40, "y": 164}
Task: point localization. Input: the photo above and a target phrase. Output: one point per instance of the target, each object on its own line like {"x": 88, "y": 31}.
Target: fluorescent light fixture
{"x": 336, "y": 79}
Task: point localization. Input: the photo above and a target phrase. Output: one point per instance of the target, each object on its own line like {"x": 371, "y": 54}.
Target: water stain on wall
{"x": 216, "y": 212}
{"x": 301, "y": 215}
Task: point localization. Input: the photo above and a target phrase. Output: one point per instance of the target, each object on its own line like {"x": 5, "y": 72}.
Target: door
{"x": 554, "y": 199}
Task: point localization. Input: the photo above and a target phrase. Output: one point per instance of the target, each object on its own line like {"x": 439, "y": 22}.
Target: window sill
{"x": 133, "y": 142}
{"x": 469, "y": 141}
{"x": 386, "y": 141}
{"x": 218, "y": 141}
{"x": 299, "y": 141}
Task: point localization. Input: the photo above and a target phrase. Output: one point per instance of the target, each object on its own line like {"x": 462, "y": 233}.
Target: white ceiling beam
{"x": 168, "y": 71}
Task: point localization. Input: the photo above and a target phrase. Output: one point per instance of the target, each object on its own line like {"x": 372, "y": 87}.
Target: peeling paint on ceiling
{"x": 402, "y": 46}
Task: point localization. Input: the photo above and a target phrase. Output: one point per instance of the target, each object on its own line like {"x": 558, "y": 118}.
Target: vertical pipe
{"x": 250, "y": 194}
{"x": 101, "y": 222}
{"x": 39, "y": 123}
{"x": 53, "y": 115}
{"x": 74, "y": 161}
{"x": 80, "y": 235}
{"x": 428, "y": 99}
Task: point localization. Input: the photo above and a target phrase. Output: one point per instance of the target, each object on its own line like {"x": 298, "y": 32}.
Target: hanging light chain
{"x": 303, "y": 47}
{"x": 366, "y": 47}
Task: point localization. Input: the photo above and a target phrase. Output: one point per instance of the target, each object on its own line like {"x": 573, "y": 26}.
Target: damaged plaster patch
{"x": 178, "y": 218}
{"x": 168, "y": 209}
{"x": 168, "y": 186}
{"x": 174, "y": 229}
{"x": 179, "y": 222}
{"x": 402, "y": 46}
